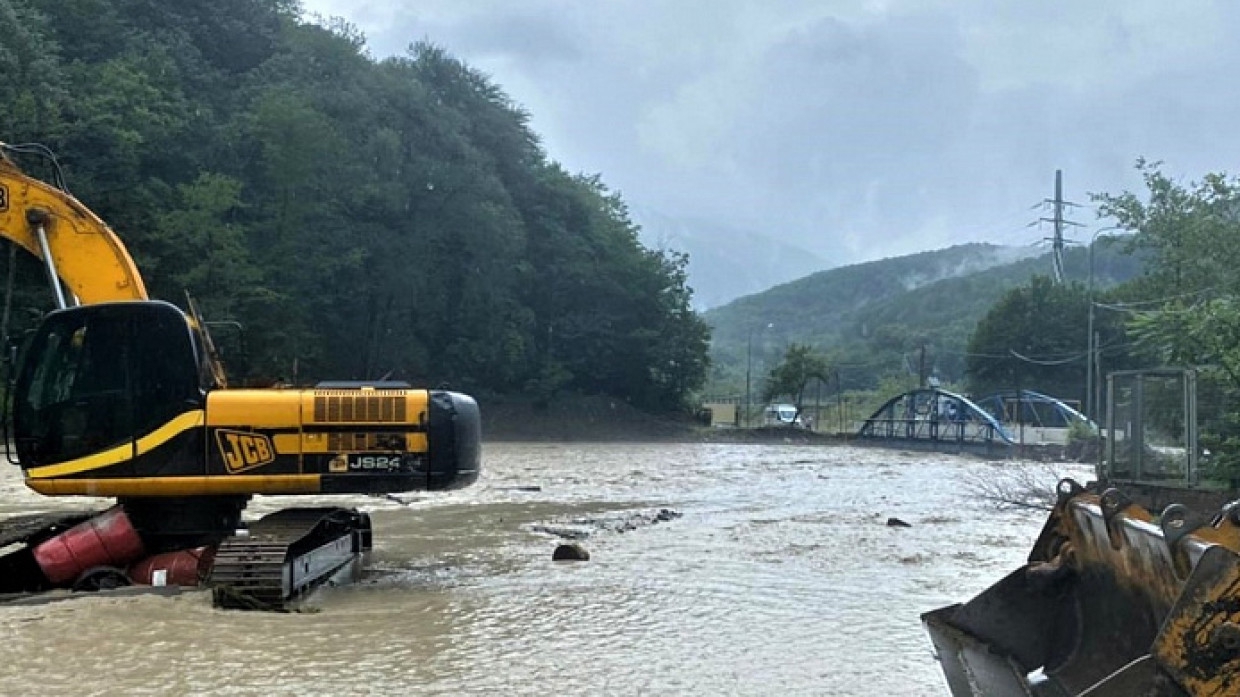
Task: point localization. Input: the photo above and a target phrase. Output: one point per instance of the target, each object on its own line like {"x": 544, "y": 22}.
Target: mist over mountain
{"x": 726, "y": 263}
{"x": 872, "y": 318}
{"x": 812, "y": 307}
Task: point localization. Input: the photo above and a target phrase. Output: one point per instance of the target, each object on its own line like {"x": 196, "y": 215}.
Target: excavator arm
{"x": 73, "y": 243}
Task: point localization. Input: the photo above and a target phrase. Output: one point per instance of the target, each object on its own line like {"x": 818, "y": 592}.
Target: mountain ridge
{"x": 871, "y": 317}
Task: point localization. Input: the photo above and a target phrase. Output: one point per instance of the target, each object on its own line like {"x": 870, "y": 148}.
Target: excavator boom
{"x": 72, "y": 241}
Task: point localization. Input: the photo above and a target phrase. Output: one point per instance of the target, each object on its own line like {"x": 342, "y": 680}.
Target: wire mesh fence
{"x": 1169, "y": 427}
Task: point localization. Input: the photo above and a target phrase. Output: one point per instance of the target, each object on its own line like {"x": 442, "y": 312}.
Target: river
{"x": 779, "y": 576}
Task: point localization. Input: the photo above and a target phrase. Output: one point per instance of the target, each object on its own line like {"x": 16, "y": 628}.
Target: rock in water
{"x": 570, "y": 552}
{"x": 897, "y": 523}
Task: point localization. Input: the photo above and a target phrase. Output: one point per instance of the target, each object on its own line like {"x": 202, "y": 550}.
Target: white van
{"x": 782, "y": 415}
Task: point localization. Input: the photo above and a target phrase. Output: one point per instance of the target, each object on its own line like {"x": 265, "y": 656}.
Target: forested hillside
{"x": 892, "y": 317}
{"x": 360, "y": 218}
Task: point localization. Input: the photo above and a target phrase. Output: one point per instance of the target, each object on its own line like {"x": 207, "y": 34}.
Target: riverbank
{"x": 603, "y": 419}
{"x": 600, "y": 419}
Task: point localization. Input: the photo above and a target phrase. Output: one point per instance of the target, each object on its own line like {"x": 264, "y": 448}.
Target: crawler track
{"x": 25, "y": 527}
{"x": 285, "y": 555}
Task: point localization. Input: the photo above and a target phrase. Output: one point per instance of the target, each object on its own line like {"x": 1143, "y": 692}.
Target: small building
{"x": 723, "y": 414}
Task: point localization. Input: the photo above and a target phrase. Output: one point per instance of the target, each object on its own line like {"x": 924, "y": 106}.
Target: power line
{"x": 1064, "y": 361}
{"x": 1136, "y": 305}
{"x": 1054, "y": 359}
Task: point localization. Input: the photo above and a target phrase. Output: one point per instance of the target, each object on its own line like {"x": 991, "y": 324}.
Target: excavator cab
{"x": 95, "y": 378}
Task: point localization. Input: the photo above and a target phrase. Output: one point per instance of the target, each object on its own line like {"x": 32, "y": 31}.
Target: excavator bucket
{"x": 1112, "y": 603}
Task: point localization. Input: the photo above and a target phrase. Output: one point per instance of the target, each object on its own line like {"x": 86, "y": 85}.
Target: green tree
{"x": 361, "y": 218}
{"x": 1189, "y": 233}
{"x": 1186, "y": 313}
{"x": 203, "y": 250}
{"x": 793, "y": 374}
{"x": 1033, "y": 338}
{"x": 1192, "y": 237}
{"x": 32, "y": 90}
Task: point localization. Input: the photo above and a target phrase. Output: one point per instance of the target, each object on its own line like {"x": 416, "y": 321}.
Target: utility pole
{"x": 817, "y": 405}
{"x": 1092, "y": 375}
{"x": 921, "y": 366}
{"x": 1057, "y": 219}
{"x": 749, "y": 368}
{"x": 748, "y": 371}
{"x": 839, "y": 400}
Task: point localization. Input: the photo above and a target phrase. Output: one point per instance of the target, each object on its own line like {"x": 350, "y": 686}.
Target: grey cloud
{"x": 857, "y": 129}
{"x": 521, "y": 36}
{"x": 837, "y": 131}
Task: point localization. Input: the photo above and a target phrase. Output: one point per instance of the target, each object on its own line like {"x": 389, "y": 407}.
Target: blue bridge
{"x": 935, "y": 419}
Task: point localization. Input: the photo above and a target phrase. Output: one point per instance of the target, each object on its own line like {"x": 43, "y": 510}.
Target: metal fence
{"x": 1154, "y": 425}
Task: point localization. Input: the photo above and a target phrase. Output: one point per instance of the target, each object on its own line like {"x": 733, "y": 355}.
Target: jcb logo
{"x": 242, "y": 450}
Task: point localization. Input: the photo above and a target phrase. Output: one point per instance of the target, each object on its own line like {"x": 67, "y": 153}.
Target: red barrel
{"x": 184, "y": 568}
{"x": 108, "y": 539}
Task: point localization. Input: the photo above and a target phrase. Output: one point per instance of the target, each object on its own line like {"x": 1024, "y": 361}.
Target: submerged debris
{"x": 581, "y": 528}
{"x": 570, "y": 552}
{"x": 565, "y": 533}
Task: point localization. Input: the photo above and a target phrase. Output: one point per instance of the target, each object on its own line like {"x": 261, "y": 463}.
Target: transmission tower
{"x": 1058, "y": 205}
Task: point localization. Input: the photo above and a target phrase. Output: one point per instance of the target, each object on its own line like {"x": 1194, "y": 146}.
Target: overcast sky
{"x": 861, "y": 129}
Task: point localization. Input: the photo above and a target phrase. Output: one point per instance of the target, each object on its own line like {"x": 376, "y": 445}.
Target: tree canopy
{"x": 361, "y": 218}
{"x": 1034, "y": 337}
{"x": 889, "y": 320}
{"x": 1189, "y": 314}
{"x": 800, "y": 365}
{"x": 1182, "y": 312}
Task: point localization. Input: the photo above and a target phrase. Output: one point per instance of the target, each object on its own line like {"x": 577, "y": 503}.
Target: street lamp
{"x": 1091, "y": 352}
{"x": 749, "y": 369}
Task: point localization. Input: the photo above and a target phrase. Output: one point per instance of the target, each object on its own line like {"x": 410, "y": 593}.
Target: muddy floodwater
{"x": 778, "y": 576}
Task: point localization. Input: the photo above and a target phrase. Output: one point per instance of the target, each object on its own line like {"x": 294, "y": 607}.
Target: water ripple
{"x": 781, "y": 577}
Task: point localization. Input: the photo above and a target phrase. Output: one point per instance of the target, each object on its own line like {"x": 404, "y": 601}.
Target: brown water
{"x": 780, "y": 578}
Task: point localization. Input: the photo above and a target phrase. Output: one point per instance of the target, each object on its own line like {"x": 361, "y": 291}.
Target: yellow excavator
{"x": 1113, "y": 602}
{"x": 118, "y": 395}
